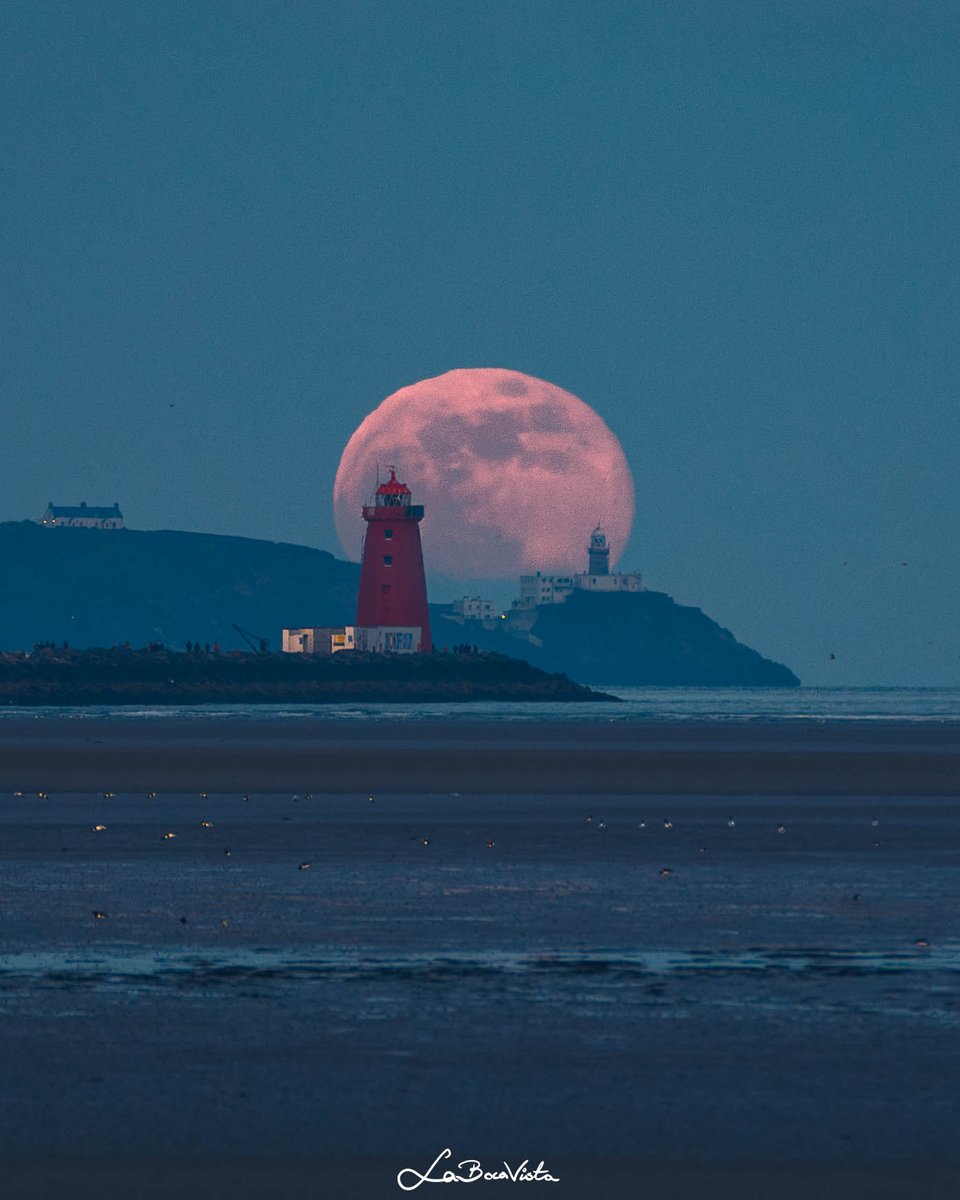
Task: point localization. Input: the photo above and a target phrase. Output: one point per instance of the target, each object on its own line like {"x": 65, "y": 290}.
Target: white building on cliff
{"x": 554, "y": 589}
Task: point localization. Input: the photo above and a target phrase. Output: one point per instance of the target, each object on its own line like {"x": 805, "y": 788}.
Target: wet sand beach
{"x": 721, "y": 986}
{"x": 611, "y": 757}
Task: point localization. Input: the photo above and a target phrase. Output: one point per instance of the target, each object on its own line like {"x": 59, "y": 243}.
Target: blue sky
{"x": 230, "y": 229}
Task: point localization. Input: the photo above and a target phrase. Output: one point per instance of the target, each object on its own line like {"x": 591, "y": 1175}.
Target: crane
{"x": 259, "y": 645}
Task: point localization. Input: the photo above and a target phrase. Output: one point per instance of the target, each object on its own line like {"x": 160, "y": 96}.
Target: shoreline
{"x": 478, "y": 757}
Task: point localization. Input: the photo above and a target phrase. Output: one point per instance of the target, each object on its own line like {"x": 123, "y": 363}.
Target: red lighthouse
{"x": 393, "y": 590}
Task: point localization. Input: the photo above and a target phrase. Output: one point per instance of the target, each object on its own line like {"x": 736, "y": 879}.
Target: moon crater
{"x": 513, "y": 472}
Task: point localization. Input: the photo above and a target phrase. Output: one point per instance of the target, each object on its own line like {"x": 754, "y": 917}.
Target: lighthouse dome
{"x": 393, "y": 487}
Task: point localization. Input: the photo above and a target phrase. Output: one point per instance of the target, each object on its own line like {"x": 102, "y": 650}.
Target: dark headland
{"x": 638, "y": 639}
{"x": 102, "y": 587}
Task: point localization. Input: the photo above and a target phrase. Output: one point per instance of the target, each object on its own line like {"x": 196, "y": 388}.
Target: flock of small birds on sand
{"x": 663, "y": 873}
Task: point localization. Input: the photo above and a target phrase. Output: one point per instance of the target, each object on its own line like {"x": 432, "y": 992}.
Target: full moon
{"x": 513, "y": 473}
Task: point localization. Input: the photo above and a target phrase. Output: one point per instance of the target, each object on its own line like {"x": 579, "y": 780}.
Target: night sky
{"x": 229, "y": 230}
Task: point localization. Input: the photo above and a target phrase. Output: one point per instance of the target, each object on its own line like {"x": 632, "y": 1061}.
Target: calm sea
{"x": 633, "y": 704}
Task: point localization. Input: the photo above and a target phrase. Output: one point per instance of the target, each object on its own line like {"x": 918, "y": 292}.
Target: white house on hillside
{"x": 82, "y": 516}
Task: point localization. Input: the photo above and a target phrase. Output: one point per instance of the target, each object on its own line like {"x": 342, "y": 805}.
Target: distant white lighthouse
{"x": 599, "y": 552}
{"x": 554, "y": 589}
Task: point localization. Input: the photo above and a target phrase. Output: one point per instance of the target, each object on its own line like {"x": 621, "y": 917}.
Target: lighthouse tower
{"x": 599, "y": 553}
{"x": 393, "y": 590}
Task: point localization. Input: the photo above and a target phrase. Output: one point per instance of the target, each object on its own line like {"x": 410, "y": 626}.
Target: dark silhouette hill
{"x": 96, "y": 587}
{"x": 101, "y": 587}
{"x": 636, "y": 639}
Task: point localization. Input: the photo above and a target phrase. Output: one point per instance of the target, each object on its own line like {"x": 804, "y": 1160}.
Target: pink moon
{"x": 513, "y": 473}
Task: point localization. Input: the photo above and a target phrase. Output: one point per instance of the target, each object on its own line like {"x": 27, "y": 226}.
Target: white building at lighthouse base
{"x": 369, "y": 639}
{"x": 554, "y": 589}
